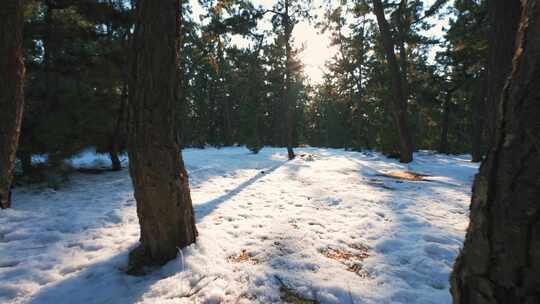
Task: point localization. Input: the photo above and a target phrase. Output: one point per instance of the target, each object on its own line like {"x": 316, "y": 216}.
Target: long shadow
{"x": 204, "y": 209}
{"x": 420, "y": 252}
{"x": 102, "y": 282}
{"x": 430, "y": 184}
{"x": 106, "y": 282}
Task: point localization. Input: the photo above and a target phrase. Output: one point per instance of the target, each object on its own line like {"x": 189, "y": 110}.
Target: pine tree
{"x": 500, "y": 260}
{"x": 466, "y": 53}
{"x": 77, "y": 78}
{"x": 399, "y": 98}
{"x": 12, "y": 73}
{"x": 159, "y": 178}
{"x": 287, "y": 13}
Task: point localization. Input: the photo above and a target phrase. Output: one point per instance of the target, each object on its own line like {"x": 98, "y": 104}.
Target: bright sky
{"x": 317, "y": 45}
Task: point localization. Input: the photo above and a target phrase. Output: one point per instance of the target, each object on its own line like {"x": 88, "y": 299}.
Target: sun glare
{"x": 316, "y": 50}
{"x": 315, "y": 46}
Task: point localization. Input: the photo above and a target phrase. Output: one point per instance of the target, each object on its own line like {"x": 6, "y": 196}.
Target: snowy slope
{"x": 328, "y": 225}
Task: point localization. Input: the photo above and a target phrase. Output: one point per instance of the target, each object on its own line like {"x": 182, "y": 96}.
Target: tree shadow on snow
{"x": 206, "y": 208}
{"x": 101, "y": 282}
{"x": 420, "y": 251}
{"x": 107, "y": 282}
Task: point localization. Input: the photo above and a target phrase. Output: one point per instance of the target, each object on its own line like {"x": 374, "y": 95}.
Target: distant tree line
{"x": 256, "y": 93}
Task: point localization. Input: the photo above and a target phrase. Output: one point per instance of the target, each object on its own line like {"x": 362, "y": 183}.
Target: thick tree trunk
{"x": 502, "y": 39}
{"x": 500, "y": 261}
{"x": 11, "y": 92}
{"x": 478, "y": 113}
{"x": 443, "y": 145}
{"x": 289, "y": 104}
{"x": 399, "y": 102}
{"x": 159, "y": 178}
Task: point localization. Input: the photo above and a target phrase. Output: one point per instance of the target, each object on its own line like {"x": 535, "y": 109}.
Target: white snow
{"x": 286, "y": 217}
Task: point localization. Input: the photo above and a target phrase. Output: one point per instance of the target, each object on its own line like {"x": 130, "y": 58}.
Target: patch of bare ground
{"x": 289, "y": 295}
{"x": 243, "y": 257}
{"x": 351, "y": 258}
{"x": 406, "y": 176}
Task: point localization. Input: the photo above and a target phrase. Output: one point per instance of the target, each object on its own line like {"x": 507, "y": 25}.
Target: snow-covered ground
{"x": 326, "y": 226}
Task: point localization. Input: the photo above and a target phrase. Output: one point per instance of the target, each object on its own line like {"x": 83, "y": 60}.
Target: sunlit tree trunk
{"x": 289, "y": 103}
{"x": 12, "y": 74}
{"x": 159, "y": 178}
{"x": 500, "y": 260}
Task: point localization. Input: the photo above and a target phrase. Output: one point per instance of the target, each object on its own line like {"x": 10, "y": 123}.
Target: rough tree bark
{"x": 478, "y": 118}
{"x": 399, "y": 102}
{"x": 12, "y": 73}
{"x": 500, "y": 261}
{"x": 159, "y": 178}
{"x": 289, "y": 104}
{"x": 502, "y": 37}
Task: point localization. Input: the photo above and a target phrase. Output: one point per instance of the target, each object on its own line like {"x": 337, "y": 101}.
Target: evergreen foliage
{"x": 235, "y": 93}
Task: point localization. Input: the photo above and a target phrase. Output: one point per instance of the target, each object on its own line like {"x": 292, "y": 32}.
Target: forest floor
{"x": 328, "y": 227}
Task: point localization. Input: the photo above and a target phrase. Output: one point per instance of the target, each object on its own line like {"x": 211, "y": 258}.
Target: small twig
{"x": 181, "y": 258}
{"x": 194, "y": 290}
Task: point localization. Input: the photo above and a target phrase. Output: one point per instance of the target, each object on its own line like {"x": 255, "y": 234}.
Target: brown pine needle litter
{"x": 353, "y": 260}
{"x": 243, "y": 257}
{"x": 344, "y": 255}
{"x": 405, "y": 175}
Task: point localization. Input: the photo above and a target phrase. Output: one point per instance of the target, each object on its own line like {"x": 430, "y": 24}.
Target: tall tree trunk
{"x": 500, "y": 261}
{"x": 121, "y": 118}
{"x": 50, "y": 47}
{"x": 212, "y": 136}
{"x": 443, "y": 145}
{"x": 359, "y": 137}
{"x": 289, "y": 104}
{"x": 11, "y": 92}
{"x": 399, "y": 102}
{"x": 159, "y": 178}
{"x": 224, "y": 98}
{"x": 404, "y": 25}
{"x": 115, "y": 139}
{"x": 227, "y": 122}
{"x": 502, "y": 37}
{"x": 478, "y": 113}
